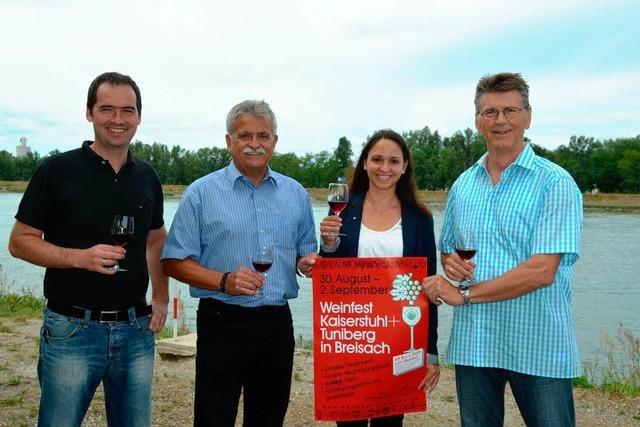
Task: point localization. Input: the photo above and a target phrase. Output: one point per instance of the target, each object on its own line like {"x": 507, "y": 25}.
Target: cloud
{"x": 329, "y": 69}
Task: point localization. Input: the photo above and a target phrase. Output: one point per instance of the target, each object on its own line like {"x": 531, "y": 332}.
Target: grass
{"x": 167, "y": 332}
{"x": 5, "y": 329}
{"x": 20, "y": 306}
{"x": 615, "y": 367}
{"x": 14, "y": 381}
{"x": 12, "y": 400}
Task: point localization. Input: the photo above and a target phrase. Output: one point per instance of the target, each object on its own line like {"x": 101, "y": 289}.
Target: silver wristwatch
{"x": 465, "y": 291}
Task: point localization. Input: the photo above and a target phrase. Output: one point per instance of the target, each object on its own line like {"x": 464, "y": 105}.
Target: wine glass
{"x": 337, "y": 197}
{"x": 121, "y": 232}
{"x": 411, "y": 316}
{"x": 466, "y": 249}
{"x": 262, "y": 259}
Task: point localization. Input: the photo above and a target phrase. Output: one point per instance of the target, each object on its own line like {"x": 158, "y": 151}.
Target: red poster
{"x": 370, "y": 325}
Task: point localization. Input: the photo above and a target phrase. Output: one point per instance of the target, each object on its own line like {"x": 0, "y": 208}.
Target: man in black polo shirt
{"x": 97, "y": 325}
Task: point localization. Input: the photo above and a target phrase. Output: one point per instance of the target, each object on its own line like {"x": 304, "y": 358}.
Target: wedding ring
{"x": 102, "y": 261}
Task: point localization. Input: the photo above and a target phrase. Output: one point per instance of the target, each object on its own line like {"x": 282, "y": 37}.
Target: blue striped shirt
{"x": 536, "y": 208}
{"x": 223, "y": 217}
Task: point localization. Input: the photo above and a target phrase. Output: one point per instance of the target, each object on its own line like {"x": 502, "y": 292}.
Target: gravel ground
{"x": 174, "y": 383}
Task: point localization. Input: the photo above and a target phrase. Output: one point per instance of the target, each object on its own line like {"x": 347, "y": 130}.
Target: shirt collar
{"x": 86, "y": 149}
{"x": 526, "y": 159}
{"x": 233, "y": 175}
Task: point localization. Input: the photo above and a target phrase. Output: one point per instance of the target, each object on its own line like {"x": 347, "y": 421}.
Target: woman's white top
{"x": 380, "y": 243}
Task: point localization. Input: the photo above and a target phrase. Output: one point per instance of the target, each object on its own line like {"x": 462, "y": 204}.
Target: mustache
{"x": 258, "y": 150}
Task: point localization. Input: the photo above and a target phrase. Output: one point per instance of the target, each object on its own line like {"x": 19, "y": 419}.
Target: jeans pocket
{"x": 57, "y": 327}
{"x": 142, "y": 322}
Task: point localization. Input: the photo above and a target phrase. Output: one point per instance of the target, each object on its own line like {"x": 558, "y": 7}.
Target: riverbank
{"x": 595, "y": 202}
{"x": 173, "y": 387}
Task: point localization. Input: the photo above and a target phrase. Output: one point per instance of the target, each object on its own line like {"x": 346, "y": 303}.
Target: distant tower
{"x": 22, "y": 150}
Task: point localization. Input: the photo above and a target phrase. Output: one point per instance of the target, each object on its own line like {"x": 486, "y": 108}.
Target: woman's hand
{"x": 329, "y": 229}
{"x": 430, "y": 380}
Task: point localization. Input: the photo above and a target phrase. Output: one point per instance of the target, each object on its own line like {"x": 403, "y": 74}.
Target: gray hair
{"x": 255, "y": 108}
{"x": 502, "y": 82}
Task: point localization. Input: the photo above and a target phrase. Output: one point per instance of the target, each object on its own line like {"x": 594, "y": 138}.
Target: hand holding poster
{"x": 370, "y": 326}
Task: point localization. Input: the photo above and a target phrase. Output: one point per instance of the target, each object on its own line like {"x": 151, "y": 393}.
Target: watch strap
{"x": 223, "y": 282}
{"x": 466, "y": 295}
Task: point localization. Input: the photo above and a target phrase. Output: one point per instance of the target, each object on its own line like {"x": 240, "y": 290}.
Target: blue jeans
{"x": 77, "y": 354}
{"x": 542, "y": 401}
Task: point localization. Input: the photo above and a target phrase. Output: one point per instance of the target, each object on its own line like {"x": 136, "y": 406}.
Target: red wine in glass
{"x": 338, "y": 197}
{"x": 466, "y": 249}
{"x": 261, "y": 266}
{"x": 466, "y": 254}
{"x": 262, "y": 260}
{"x": 337, "y": 206}
{"x": 121, "y": 233}
{"x": 121, "y": 239}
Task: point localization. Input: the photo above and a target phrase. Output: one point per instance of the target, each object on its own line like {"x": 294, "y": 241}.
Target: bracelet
{"x": 223, "y": 281}
{"x": 330, "y": 248}
{"x": 300, "y": 273}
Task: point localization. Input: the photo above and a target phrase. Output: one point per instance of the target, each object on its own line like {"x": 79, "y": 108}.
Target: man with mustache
{"x": 245, "y": 332}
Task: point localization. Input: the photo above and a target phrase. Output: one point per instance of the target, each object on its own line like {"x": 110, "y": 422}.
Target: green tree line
{"x": 611, "y": 166}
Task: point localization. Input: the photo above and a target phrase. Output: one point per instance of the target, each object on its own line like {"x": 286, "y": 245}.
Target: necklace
{"x": 379, "y": 210}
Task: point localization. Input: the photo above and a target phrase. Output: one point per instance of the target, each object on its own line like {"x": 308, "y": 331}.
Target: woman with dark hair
{"x": 385, "y": 219}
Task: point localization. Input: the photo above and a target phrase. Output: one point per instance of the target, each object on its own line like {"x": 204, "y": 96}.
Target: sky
{"x": 329, "y": 69}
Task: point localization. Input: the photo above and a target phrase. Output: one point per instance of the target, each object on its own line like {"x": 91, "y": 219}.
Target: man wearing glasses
{"x": 245, "y": 333}
{"x": 514, "y": 323}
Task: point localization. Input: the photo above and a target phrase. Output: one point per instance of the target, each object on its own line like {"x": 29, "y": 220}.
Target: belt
{"x": 214, "y": 304}
{"x": 102, "y": 316}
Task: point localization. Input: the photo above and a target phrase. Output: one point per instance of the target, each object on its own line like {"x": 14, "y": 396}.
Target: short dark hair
{"x": 406, "y": 188}
{"x": 502, "y": 82}
{"x": 112, "y": 78}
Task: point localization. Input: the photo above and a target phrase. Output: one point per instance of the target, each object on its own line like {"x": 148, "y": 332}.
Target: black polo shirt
{"x": 73, "y": 198}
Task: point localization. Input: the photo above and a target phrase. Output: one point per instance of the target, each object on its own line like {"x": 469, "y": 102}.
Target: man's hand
{"x": 158, "y": 314}
{"x": 99, "y": 258}
{"x": 244, "y": 281}
{"x": 305, "y": 263}
{"x": 26, "y": 243}
{"x": 439, "y": 290}
{"x": 456, "y": 268}
{"x": 430, "y": 380}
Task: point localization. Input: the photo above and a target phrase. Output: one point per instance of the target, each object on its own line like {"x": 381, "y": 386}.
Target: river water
{"x": 606, "y": 293}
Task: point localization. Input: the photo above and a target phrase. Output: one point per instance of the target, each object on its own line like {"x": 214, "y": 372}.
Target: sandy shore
{"x": 174, "y": 383}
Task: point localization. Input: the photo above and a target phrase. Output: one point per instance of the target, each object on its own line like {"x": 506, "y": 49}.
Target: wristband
{"x": 223, "y": 281}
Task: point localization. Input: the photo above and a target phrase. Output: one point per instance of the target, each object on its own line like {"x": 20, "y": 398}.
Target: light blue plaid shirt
{"x": 536, "y": 208}
{"x": 223, "y": 217}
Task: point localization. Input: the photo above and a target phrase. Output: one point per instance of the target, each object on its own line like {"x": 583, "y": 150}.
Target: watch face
{"x": 464, "y": 287}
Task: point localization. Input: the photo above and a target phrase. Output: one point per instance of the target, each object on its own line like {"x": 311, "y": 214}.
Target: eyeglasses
{"x": 509, "y": 113}
{"x": 246, "y": 137}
